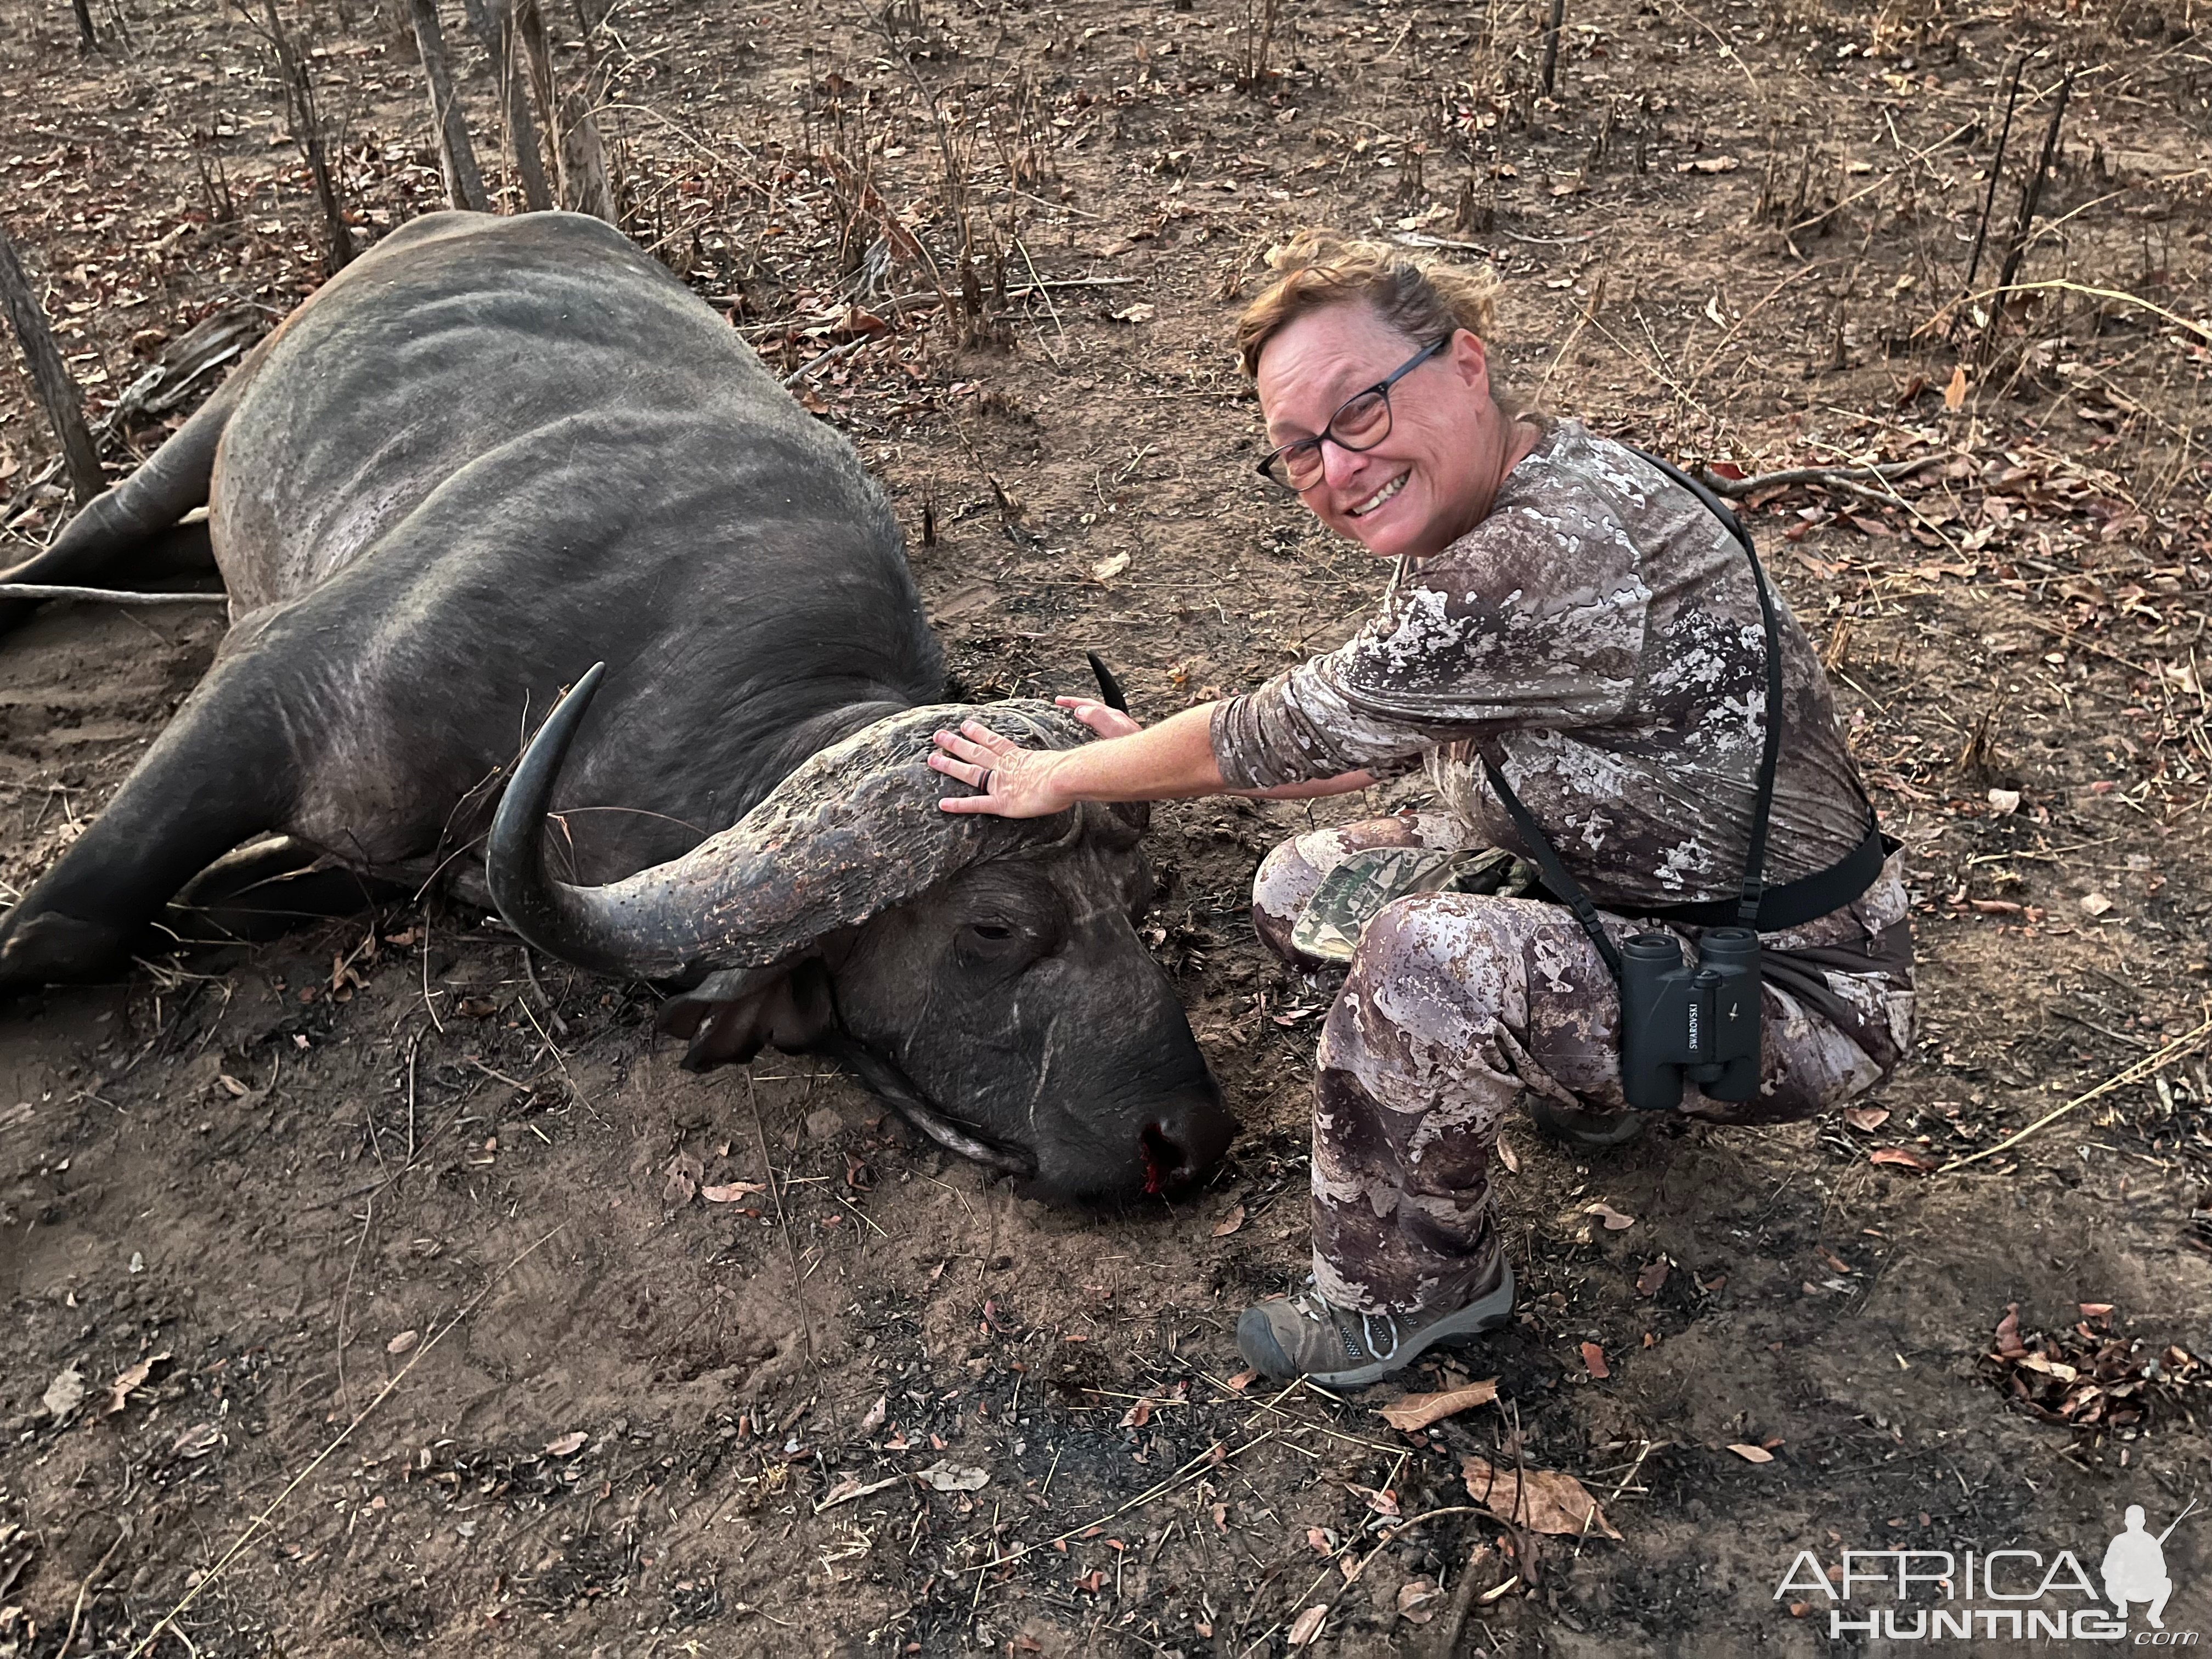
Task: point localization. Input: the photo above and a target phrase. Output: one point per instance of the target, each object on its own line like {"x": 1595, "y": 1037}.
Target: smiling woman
{"x": 1577, "y": 650}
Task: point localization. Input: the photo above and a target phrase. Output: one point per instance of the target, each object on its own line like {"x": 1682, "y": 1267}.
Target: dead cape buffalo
{"x": 495, "y": 452}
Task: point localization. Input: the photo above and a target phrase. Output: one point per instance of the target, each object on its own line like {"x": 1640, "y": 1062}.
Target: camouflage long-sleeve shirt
{"x": 1598, "y": 637}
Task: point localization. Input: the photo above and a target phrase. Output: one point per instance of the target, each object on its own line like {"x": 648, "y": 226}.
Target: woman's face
{"x": 1432, "y": 478}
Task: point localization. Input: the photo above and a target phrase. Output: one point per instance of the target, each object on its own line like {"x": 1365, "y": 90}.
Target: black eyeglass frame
{"x": 1328, "y": 434}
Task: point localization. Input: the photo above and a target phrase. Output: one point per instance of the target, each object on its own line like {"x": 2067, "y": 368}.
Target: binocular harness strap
{"x": 1828, "y": 885}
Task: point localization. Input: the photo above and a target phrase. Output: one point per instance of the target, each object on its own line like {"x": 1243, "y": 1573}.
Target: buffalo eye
{"x": 992, "y": 932}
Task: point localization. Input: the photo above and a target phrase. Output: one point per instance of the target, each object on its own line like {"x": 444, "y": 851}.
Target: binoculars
{"x": 1700, "y": 1023}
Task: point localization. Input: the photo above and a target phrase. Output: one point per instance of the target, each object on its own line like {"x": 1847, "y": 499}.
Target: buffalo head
{"x": 982, "y": 975}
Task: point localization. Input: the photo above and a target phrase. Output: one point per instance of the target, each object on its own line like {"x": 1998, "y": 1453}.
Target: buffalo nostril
{"x": 1165, "y": 1162}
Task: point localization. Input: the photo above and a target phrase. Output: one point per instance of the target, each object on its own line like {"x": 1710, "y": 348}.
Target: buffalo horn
{"x": 853, "y": 830}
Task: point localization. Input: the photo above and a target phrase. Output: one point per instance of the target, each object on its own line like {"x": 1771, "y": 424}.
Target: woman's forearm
{"x": 1344, "y": 783}
{"x": 1172, "y": 760}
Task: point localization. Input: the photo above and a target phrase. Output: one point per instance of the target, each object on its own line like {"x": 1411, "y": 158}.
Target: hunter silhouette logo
{"x": 2135, "y": 1566}
{"x": 2014, "y": 1594}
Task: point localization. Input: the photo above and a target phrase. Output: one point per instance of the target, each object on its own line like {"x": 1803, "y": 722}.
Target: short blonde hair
{"x": 1421, "y": 297}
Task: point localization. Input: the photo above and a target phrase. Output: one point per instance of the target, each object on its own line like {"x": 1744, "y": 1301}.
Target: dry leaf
{"x": 730, "y": 1192}
{"x": 567, "y": 1445}
{"x": 1866, "y": 1117}
{"x": 1594, "y": 1360}
{"x": 1138, "y": 1415}
{"x": 119, "y": 1391}
{"x": 1753, "y": 1454}
{"x": 1954, "y": 394}
{"x": 231, "y": 1085}
{"x": 683, "y": 1172}
{"x": 946, "y": 1476}
{"x": 876, "y": 1413}
{"x": 198, "y": 1440}
{"x": 1418, "y": 1599}
{"x": 1613, "y": 1219}
{"x": 1107, "y": 568}
{"x": 1654, "y": 1275}
{"x": 1140, "y": 312}
{"x": 1243, "y": 1380}
{"x": 1709, "y": 164}
{"x": 64, "y": 1394}
{"x": 1417, "y": 1411}
{"x": 403, "y": 1343}
{"x": 1307, "y": 1625}
{"x": 1507, "y": 1157}
{"x": 2096, "y": 903}
{"x": 1229, "y": 1223}
{"x": 1540, "y": 1500}
{"x": 1381, "y": 1499}
{"x": 1320, "y": 1540}
{"x": 1904, "y": 1156}
{"x": 2004, "y": 802}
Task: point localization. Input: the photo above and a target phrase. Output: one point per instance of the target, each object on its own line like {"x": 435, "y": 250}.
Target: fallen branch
{"x": 1737, "y": 489}
{"x": 104, "y": 595}
{"x": 2148, "y": 1064}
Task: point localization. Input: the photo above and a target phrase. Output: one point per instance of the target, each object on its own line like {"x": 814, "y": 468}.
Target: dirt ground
{"x": 379, "y": 1254}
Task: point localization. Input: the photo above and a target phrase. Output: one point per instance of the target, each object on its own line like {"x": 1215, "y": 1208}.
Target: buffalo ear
{"x": 733, "y": 1015}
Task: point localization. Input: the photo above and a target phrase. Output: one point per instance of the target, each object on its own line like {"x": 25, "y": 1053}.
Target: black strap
{"x": 1562, "y": 886}
{"x": 1769, "y": 752}
{"x": 1761, "y": 908}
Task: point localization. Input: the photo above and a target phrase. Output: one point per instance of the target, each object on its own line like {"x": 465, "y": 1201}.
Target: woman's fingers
{"x": 1107, "y": 722}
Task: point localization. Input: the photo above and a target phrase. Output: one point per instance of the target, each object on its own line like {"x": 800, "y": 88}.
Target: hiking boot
{"x": 1588, "y": 1131}
{"x": 1305, "y": 1336}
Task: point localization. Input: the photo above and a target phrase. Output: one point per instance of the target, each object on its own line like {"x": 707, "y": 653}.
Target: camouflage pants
{"x": 1455, "y": 1004}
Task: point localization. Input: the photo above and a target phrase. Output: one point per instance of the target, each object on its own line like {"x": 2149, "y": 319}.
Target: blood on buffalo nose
{"x": 1182, "y": 1144}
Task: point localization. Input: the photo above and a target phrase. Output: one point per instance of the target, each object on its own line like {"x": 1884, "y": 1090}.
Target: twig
{"x": 2030, "y": 197}
{"x": 530, "y": 972}
{"x": 827, "y": 358}
{"x": 1997, "y": 168}
{"x": 2135, "y": 1074}
{"x": 345, "y": 1295}
{"x": 105, "y": 595}
{"x": 167, "y": 1622}
{"x": 783, "y": 1220}
{"x": 1737, "y": 489}
{"x": 77, "y": 1612}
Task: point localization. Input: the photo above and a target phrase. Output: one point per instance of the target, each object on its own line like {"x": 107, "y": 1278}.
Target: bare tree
{"x": 58, "y": 394}
{"x": 494, "y": 23}
{"x": 86, "y": 39}
{"x": 457, "y": 158}
{"x": 580, "y": 157}
{"x": 306, "y": 119}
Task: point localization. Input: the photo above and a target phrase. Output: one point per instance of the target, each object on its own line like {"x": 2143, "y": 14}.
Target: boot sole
{"x": 1485, "y": 1313}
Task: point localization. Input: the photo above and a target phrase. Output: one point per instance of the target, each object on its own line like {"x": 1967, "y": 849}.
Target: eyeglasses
{"x": 1361, "y": 422}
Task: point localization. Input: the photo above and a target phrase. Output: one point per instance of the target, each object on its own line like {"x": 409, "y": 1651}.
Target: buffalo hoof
{"x": 51, "y": 948}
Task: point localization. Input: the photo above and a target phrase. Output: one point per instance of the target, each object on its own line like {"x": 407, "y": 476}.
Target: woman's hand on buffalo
{"x": 1017, "y": 782}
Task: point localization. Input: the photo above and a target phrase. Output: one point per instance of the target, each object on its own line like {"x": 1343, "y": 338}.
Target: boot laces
{"x": 1311, "y": 1305}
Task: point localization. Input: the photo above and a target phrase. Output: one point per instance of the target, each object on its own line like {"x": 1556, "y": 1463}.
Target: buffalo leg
{"x": 173, "y": 482}
{"x": 224, "y": 772}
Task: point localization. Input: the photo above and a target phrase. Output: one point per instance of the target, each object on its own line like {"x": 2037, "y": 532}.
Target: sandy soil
{"x": 430, "y": 1341}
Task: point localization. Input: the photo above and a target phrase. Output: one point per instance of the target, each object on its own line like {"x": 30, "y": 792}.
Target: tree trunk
{"x": 456, "y": 159}
{"x": 86, "y": 39}
{"x": 57, "y": 391}
{"x": 580, "y": 158}
{"x": 494, "y": 23}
